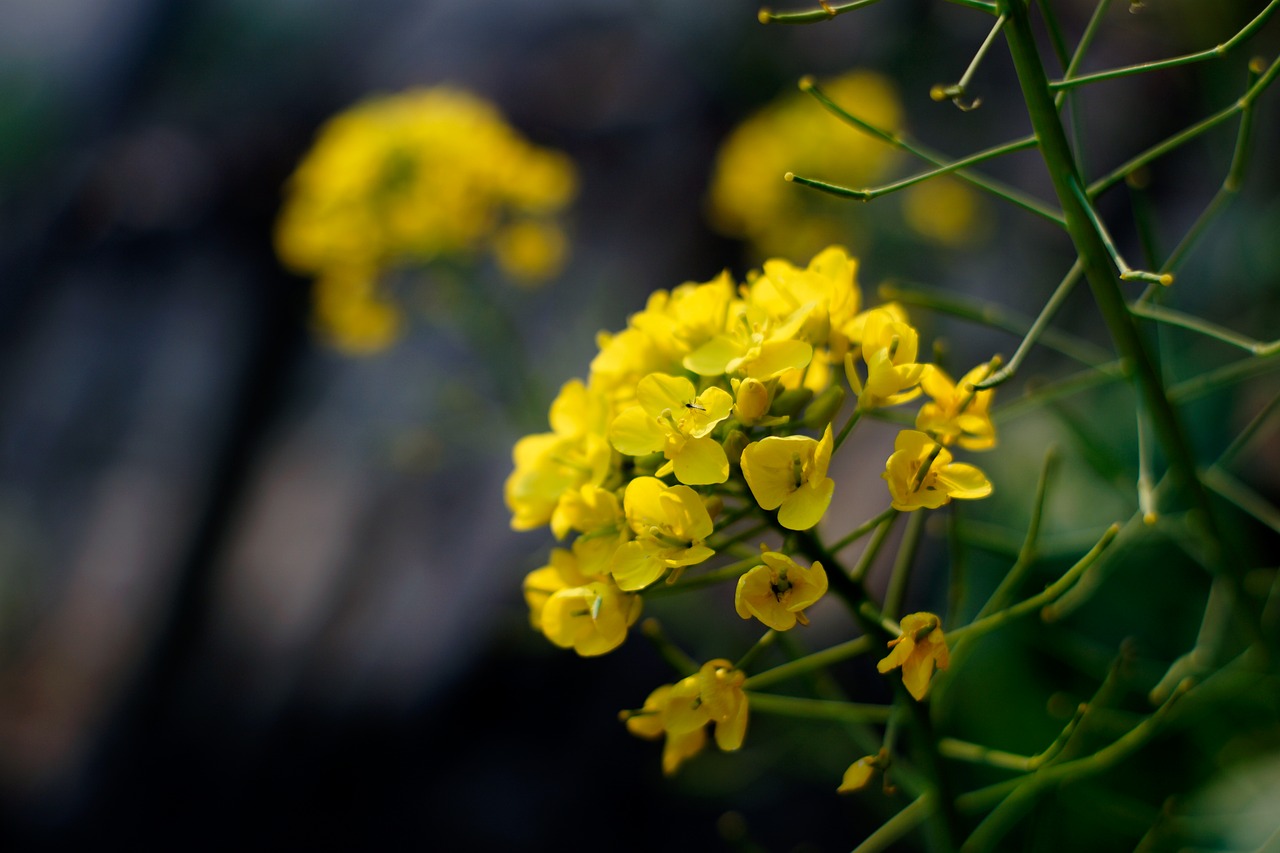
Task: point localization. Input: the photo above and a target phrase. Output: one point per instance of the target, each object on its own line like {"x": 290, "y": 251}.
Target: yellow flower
{"x": 670, "y": 525}
{"x": 591, "y": 619}
{"x": 548, "y": 465}
{"x": 789, "y": 474}
{"x": 577, "y": 610}
{"x": 920, "y": 473}
{"x": 670, "y": 416}
{"x": 778, "y": 591}
{"x": 349, "y": 310}
{"x": 682, "y": 711}
{"x": 721, "y": 694}
{"x": 753, "y": 346}
{"x": 747, "y": 197}
{"x": 409, "y": 178}
{"x": 918, "y": 650}
{"x": 889, "y": 348}
{"x": 686, "y": 318}
{"x": 651, "y": 722}
{"x": 958, "y": 414}
{"x": 944, "y": 211}
{"x": 827, "y": 288}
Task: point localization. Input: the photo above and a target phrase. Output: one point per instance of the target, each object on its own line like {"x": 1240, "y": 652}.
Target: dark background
{"x": 257, "y": 593}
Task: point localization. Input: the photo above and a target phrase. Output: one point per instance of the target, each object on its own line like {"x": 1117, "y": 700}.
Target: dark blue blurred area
{"x": 255, "y": 593}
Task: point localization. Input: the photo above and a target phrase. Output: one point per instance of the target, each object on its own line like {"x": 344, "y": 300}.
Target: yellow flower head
{"x": 826, "y": 287}
{"x": 721, "y": 694}
{"x": 681, "y": 703}
{"x": 672, "y": 417}
{"x": 918, "y": 650}
{"x": 550, "y": 465}
{"x": 958, "y": 414}
{"x": 670, "y": 525}
{"x": 753, "y": 346}
{"x": 747, "y": 197}
{"x": 577, "y": 610}
{"x": 920, "y": 473}
{"x": 778, "y": 591}
{"x": 409, "y": 178}
{"x": 889, "y": 348}
{"x": 789, "y": 474}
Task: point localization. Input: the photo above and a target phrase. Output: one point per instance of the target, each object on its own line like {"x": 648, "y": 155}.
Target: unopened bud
{"x": 790, "y": 402}
{"x": 824, "y": 407}
{"x": 752, "y": 402}
{"x": 734, "y": 444}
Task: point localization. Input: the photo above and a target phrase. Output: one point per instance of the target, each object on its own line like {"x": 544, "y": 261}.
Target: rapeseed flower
{"x": 670, "y": 524}
{"x": 958, "y": 413}
{"x": 920, "y": 648}
{"x": 778, "y": 591}
{"x": 789, "y": 474}
{"x": 920, "y": 474}
{"x": 670, "y": 416}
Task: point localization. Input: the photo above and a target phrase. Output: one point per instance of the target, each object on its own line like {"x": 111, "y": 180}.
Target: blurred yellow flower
{"x": 408, "y": 178}
{"x": 748, "y": 197}
{"x": 958, "y": 414}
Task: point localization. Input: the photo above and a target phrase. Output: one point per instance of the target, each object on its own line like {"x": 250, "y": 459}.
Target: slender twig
{"x": 1173, "y": 317}
{"x": 960, "y": 89}
{"x": 1027, "y": 142}
{"x": 1173, "y": 62}
{"x": 994, "y": 187}
{"x": 817, "y": 709}
{"x": 900, "y": 824}
{"x": 811, "y": 16}
{"x": 896, "y": 592}
{"x": 1038, "y": 329}
{"x": 811, "y": 662}
{"x": 1127, "y": 273}
{"x": 862, "y": 530}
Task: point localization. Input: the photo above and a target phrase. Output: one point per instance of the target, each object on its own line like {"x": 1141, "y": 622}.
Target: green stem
{"x": 1035, "y": 602}
{"x": 898, "y": 579}
{"x": 959, "y": 89}
{"x": 1221, "y": 377}
{"x": 973, "y": 753}
{"x": 900, "y": 824}
{"x": 862, "y": 530}
{"x": 876, "y": 192}
{"x": 1037, "y": 329}
{"x": 1173, "y": 62}
{"x": 854, "y": 417}
{"x": 859, "y": 573}
{"x": 1174, "y": 317}
{"x": 997, "y": 317}
{"x": 671, "y": 653}
{"x": 817, "y": 709}
{"x": 812, "y": 16}
{"x": 1028, "y": 553}
{"x": 810, "y": 662}
{"x": 1000, "y": 190}
{"x": 1035, "y": 398}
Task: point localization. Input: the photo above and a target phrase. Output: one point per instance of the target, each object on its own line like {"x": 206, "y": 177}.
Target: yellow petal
{"x": 635, "y": 433}
{"x": 701, "y": 462}
{"x": 963, "y": 481}
{"x": 805, "y": 507}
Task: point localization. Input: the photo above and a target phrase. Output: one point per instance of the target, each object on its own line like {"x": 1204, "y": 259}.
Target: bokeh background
{"x": 257, "y": 592}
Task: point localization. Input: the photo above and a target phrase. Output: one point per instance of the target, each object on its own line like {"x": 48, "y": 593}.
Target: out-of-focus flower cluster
{"x": 713, "y": 409}
{"x": 402, "y": 180}
{"x": 749, "y": 200}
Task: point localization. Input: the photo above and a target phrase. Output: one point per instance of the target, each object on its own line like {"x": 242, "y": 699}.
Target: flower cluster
{"x": 409, "y": 178}
{"x": 713, "y": 405}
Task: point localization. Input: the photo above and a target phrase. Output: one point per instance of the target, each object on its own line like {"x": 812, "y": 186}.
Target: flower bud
{"x": 791, "y": 402}
{"x": 734, "y": 444}
{"x": 824, "y": 407}
{"x": 752, "y": 400}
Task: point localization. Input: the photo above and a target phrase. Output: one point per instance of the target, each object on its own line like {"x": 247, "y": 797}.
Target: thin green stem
{"x": 973, "y": 753}
{"x": 1184, "y": 136}
{"x": 760, "y": 646}
{"x": 1075, "y": 383}
{"x": 810, "y": 662}
{"x": 1038, "y": 328}
{"x": 811, "y": 16}
{"x": 901, "y": 574}
{"x": 817, "y": 709}
{"x": 859, "y": 572}
{"x": 1173, "y": 317}
{"x": 670, "y": 652}
{"x": 1242, "y": 497}
{"x": 1221, "y": 377}
{"x": 958, "y": 90}
{"x": 1126, "y": 272}
{"x": 992, "y": 153}
{"x": 916, "y": 813}
{"x": 1000, "y": 190}
{"x": 862, "y": 530}
{"x": 1173, "y": 62}
{"x": 854, "y": 417}
{"x": 998, "y": 317}
{"x": 711, "y": 578}
{"x": 1246, "y": 435}
{"x": 1035, "y": 602}
{"x": 1082, "y": 47}
{"x": 1028, "y": 554}
{"x": 1146, "y": 490}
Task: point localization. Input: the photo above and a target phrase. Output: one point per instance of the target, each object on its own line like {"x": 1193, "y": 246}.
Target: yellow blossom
{"x": 918, "y": 650}
{"x": 747, "y": 199}
{"x": 670, "y": 525}
{"x": 958, "y": 413}
{"x": 670, "y": 416}
{"x": 778, "y": 591}
{"x": 682, "y": 711}
{"x": 651, "y": 722}
{"x": 889, "y": 348}
{"x": 920, "y": 473}
{"x": 577, "y": 610}
{"x": 548, "y": 465}
{"x": 753, "y": 345}
{"x": 858, "y": 774}
{"x": 827, "y": 288}
{"x": 721, "y": 694}
{"x": 789, "y": 474}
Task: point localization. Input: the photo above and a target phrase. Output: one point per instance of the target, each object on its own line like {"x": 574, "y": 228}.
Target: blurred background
{"x": 257, "y": 591}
